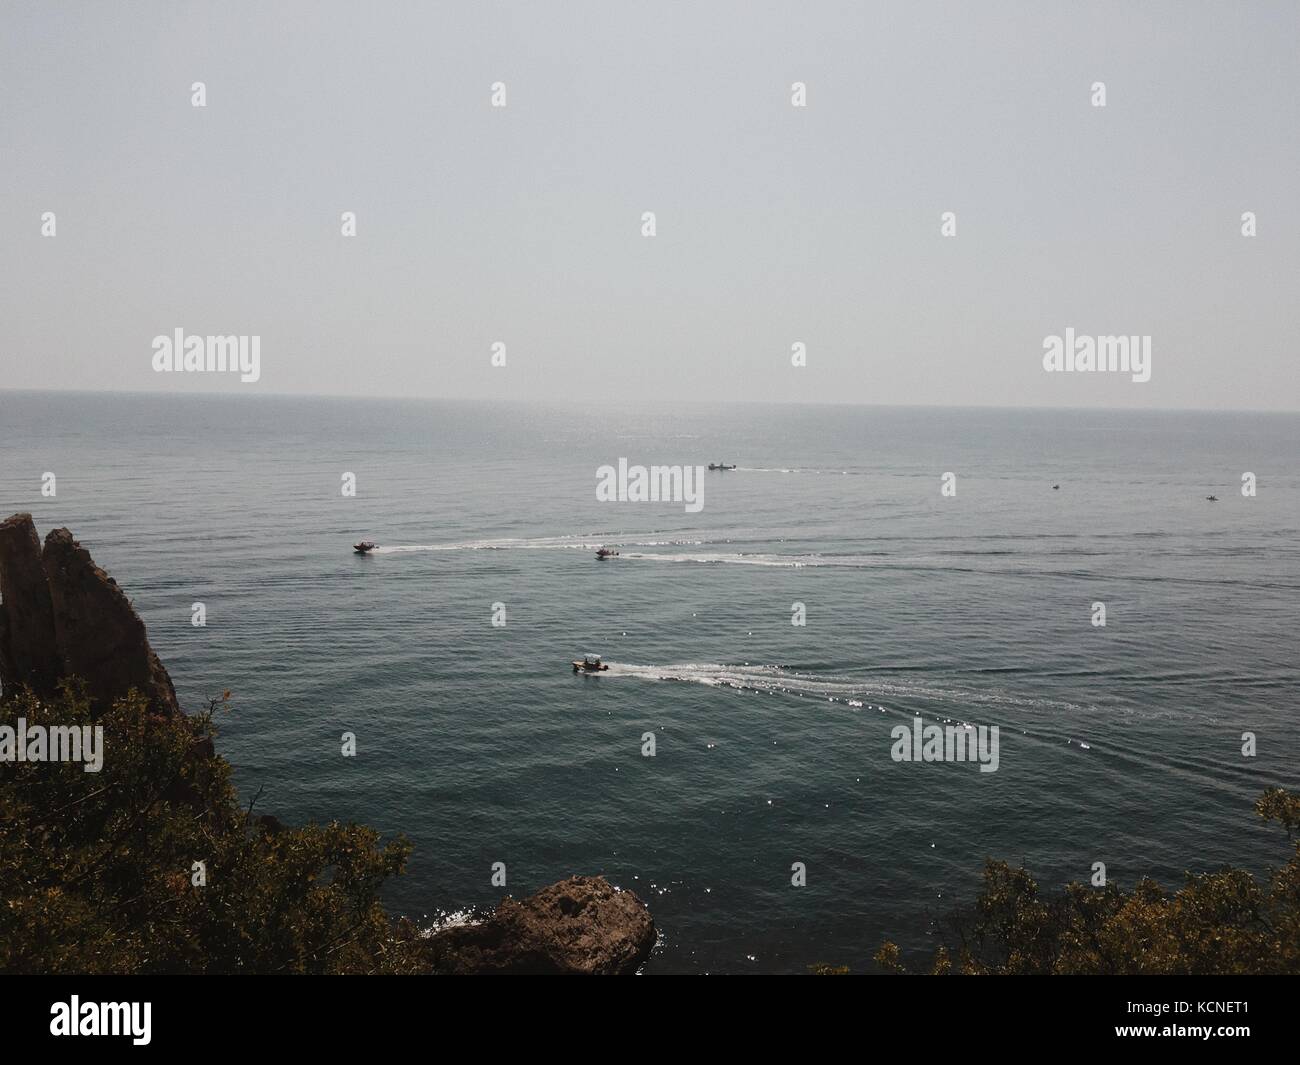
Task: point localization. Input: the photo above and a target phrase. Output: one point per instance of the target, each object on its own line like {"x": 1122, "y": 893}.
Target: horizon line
{"x": 558, "y": 402}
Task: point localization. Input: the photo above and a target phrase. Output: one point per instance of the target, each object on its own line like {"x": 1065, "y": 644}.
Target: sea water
{"x": 1119, "y": 744}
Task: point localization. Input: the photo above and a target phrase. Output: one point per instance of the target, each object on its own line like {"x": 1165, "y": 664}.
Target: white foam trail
{"x": 995, "y": 561}
{"x": 795, "y": 469}
{"x": 537, "y": 543}
{"x": 1027, "y": 716}
{"x": 734, "y": 558}
{"x": 779, "y": 680}
{"x": 562, "y": 543}
{"x": 502, "y": 544}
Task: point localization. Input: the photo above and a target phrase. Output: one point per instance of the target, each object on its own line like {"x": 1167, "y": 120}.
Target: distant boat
{"x": 722, "y": 466}
{"x": 603, "y": 553}
{"x": 1056, "y": 487}
{"x": 365, "y": 547}
{"x": 1212, "y": 499}
{"x": 589, "y": 664}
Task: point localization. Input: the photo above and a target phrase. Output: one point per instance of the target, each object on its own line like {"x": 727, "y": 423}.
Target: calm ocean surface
{"x": 481, "y": 745}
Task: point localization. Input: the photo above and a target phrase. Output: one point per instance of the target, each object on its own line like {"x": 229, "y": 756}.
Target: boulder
{"x": 579, "y": 926}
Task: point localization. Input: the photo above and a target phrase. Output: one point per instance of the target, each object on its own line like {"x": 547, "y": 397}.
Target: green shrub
{"x": 1224, "y": 922}
{"x": 96, "y": 868}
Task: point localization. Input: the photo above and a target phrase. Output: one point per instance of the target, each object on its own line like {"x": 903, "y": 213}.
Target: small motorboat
{"x": 365, "y": 547}
{"x": 1212, "y": 499}
{"x": 603, "y": 553}
{"x": 722, "y": 466}
{"x": 589, "y": 664}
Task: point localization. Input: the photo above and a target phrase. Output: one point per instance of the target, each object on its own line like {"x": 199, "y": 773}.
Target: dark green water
{"x": 481, "y": 745}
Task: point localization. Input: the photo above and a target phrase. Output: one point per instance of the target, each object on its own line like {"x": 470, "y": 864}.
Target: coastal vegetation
{"x": 151, "y": 865}
{"x": 1224, "y": 922}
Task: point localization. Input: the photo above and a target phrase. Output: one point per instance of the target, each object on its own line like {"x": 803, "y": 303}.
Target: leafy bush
{"x": 96, "y": 868}
{"x": 1224, "y": 922}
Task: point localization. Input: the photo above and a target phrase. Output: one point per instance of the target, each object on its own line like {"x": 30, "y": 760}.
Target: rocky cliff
{"x": 63, "y": 616}
{"x": 28, "y": 652}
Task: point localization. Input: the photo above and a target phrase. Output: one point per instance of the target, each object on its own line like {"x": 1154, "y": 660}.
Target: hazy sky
{"x": 774, "y": 224}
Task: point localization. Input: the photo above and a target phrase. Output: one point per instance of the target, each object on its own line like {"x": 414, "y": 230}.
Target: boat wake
{"x": 1060, "y": 560}
{"x": 797, "y": 469}
{"x": 734, "y": 558}
{"x": 536, "y": 543}
{"x": 867, "y": 693}
{"x": 1033, "y": 719}
{"x": 623, "y": 544}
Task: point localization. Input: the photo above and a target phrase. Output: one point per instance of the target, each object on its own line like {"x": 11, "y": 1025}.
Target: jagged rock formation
{"x": 581, "y": 926}
{"x": 63, "y": 616}
{"x": 28, "y": 652}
